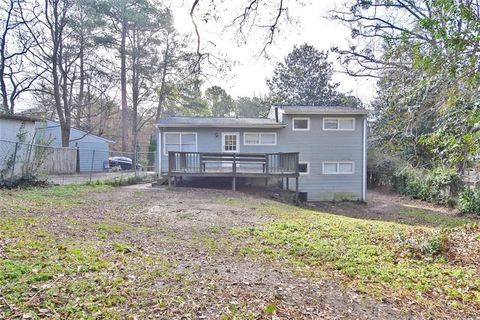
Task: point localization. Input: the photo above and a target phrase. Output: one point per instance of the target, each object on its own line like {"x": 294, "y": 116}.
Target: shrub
{"x": 381, "y": 168}
{"x": 23, "y": 182}
{"x": 440, "y": 185}
{"x": 469, "y": 201}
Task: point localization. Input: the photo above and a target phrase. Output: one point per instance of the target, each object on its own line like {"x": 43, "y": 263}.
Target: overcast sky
{"x": 248, "y": 74}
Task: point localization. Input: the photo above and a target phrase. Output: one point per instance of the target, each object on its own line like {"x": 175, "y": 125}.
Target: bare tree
{"x": 15, "y": 44}
{"x": 56, "y": 51}
{"x": 259, "y": 16}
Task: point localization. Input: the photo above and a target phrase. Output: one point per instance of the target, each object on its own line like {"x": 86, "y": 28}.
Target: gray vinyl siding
{"x": 50, "y": 132}
{"x": 10, "y": 128}
{"x": 315, "y": 146}
{"x": 207, "y": 141}
{"x": 9, "y": 131}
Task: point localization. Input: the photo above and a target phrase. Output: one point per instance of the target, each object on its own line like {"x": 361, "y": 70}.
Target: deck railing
{"x": 247, "y": 163}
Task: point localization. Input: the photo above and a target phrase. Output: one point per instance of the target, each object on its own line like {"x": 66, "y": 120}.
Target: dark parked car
{"x": 123, "y": 162}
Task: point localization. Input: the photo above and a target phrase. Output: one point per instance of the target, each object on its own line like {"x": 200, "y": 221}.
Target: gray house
{"x": 16, "y": 133}
{"x": 320, "y": 151}
{"x": 85, "y": 141}
{"x": 13, "y": 125}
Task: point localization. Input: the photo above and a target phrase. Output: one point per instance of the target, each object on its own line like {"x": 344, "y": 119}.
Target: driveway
{"x": 93, "y": 177}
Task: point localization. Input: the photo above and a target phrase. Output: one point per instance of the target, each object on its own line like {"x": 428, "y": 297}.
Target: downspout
{"x": 276, "y": 114}
{"x": 364, "y": 160}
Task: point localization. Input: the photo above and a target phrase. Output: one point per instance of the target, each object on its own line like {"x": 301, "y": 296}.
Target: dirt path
{"x": 191, "y": 228}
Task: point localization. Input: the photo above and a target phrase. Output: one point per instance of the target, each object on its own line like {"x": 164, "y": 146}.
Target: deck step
{"x": 160, "y": 182}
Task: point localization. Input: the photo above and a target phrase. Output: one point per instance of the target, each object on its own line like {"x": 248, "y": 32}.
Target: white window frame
{"x": 308, "y": 124}
{"x": 180, "y": 133}
{"x": 338, "y": 167}
{"x": 259, "y": 139}
{"x": 308, "y": 167}
{"x": 338, "y": 124}
{"x": 230, "y": 134}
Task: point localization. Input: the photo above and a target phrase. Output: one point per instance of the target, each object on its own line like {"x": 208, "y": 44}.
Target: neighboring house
{"x": 16, "y": 133}
{"x": 16, "y": 127}
{"x": 49, "y": 131}
{"x": 330, "y": 142}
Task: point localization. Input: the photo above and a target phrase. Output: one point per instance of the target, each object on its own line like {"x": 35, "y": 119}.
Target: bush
{"x": 381, "y": 168}
{"x": 23, "y": 182}
{"x": 469, "y": 201}
{"x": 440, "y": 185}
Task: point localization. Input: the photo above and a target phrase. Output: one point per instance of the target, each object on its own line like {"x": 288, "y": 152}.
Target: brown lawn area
{"x": 86, "y": 252}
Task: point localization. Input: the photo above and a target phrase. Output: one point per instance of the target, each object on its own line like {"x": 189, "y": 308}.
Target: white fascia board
{"x": 273, "y": 126}
{"x": 359, "y": 112}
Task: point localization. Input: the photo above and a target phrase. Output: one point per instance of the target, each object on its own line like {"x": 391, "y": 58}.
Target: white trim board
{"x": 238, "y": 141}
{"x": 364, "y": 182}
{"x": 338, "y": 167}
{"x": 338, "y": 124}
{"x": 260, "y": 139}
{"x": 298, "y": 118}
{"x": 178, "y": 132}
{"x": 308, "y": 168}
{"x": 159, "y": 151}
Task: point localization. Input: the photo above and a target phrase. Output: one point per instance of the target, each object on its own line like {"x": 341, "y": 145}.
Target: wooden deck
{"x": 252, "y": 165}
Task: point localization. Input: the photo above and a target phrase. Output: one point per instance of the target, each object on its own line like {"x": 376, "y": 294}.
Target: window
{"x": 338, "y": 167}
{"x": 230, "y": 142}
{"x": 338, "y": 124}
{"x": 304, "y": 167}
{"x": 259, "y": 138}
{"x": 180, "y": 141}
{"x": 301, "y": 124}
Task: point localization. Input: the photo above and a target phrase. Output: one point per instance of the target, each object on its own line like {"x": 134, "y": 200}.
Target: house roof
{"x": 17, "y": 117}
{"x": 83, "y": 132}
{"x": 218, "y": 122}
{"x": 320, "y": 110}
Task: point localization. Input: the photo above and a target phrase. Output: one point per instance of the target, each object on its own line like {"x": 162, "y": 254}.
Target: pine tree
{"x": 304, "y": 78}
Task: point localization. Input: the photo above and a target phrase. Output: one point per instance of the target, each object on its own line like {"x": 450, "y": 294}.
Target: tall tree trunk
{"x": 3, "y": 43}
{"x": 123, "y": 83}
{"x": 81, "y": 89}
{"x": 89, "y": 107}
{"x": 57, "y": 85}
{"x": 66, "y": 104}
{"x": 162, "y": 93}
{"x": 59, "y": 80}
{"x": 135, "y": 88}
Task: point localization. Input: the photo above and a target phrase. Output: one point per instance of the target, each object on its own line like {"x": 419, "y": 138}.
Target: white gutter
{"x": 193, "y": 125}
{"x": 359, "y": 112}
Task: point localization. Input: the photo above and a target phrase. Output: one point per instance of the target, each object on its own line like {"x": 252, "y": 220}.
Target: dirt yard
{"x": 172, "y": 254}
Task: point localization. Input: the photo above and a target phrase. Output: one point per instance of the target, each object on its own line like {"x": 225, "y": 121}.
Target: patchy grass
{"x": 44, "y": 276}
{"x": 98, "y": 259}
{"x": 385, "y": 259}
{"x": 40, "y": 199}
{"x": 106, "y": 228}
{"x": 433, "y": 219}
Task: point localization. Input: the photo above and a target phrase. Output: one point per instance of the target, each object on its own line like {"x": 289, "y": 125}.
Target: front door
{"x": 231, "y": 142}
